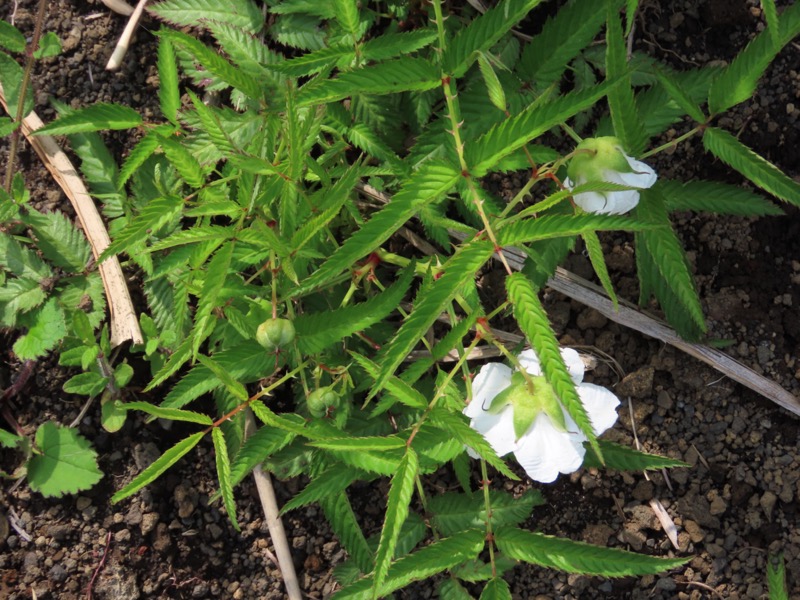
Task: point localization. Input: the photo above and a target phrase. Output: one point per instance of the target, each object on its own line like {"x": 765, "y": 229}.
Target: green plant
{"x": 247, "y": 213}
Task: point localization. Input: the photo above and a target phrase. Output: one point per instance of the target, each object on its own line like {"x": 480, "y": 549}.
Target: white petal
{"x": 490, "y": 381}
{"x": 498, "y": 429}
{"x": 600, "y": 404}
{"x": 621, "y": 202}
{"x": 643, "y": 176}
{"x": 544, "y": 451}
{"x": 592, "y": 202}
{"x": 530, "y": 362}
{"x": 574, "y": 364}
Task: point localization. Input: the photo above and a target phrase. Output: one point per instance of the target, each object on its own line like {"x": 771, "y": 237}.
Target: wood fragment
{"x": 122, "y": 317}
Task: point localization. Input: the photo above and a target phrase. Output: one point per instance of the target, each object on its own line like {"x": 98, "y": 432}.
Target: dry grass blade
{"x": 124, "y": 325}
{"x": 666, "y": 521}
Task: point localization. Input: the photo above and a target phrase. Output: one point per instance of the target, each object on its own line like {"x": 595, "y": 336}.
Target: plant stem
{"x": 672, "y": 143}
{"x": 23, "y": 88}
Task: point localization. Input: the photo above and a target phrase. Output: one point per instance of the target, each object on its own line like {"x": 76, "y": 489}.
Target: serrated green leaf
{"x": 343, "y": 521}
{"x": 532, "y": 320}
{"x": 314, "y": 62}
{"x": 246, "y": 362}
{"x": 301, "y": 31}
{"x": 86, "y": 384}
{"x": 9, "y": 440}
{"x": 595, "y": 250}
{"x": 168, "y": 94}
{"x": 360, "y": 444}
{"x": 496, "y": 589}
{"x": 756, "y": 168}
{"x": 21, "y": 261}
{"x": 631, "y": 6}
{"x": 317, "y": 331}
{"x": 46, "y": 328}
{"x": 184, "y": 162}
{"x": 426, "y": 185}
{"x": 263, "y": 443}
{"x": 452, "y": 512}
{"x": 236, "y": 389}
{"x": 738, "y": 81}
{"x": 214, "y": 63}
{"x": 714, "y": 197}
{"x": 224, "y": 474}
{"x": 390, "y": 45}
{"x": 161, "y": 464}
{"x": 397, "y": 505}
{"x": 390, "y": 77}
{"x": 395, "y": 386}
{"x": 671, "y": 261}
{"x": 65, "y": 464}
{"x": 49, "y": 45}
{"x": 624, "y": 116}
{"x": 555, "y": 226}
{"x": 679, "y": 95}
{"x": 151, "y": 218}
{"x": 430, "y": 302}
{"x": 216, "y": 273}
{"x": 511, "y": 134}
{"x": 776, "y": 577}
{"x": 212, "y": 126}
{"x": 11, "y": 75}
{"x": 496, "y": 93}
{"x": 241, "y": 13}
{"x": 19, "y": 296}
{"x": 563, "y": 36}
{"x": 171, "y": 414}
{"x": 482, "y": 33}
{"x": 348, "y": 17}
{"x": 578, "y": 557}
{"x": 11, "y": 37}
{"x": 622, "y": 458}
{"x": 58, "y": 239}
{"x": 329, "y": 483}
{"x": 418, "y": 566}
{"x": 138, "y": 155}
{"x": 97, "y": 117}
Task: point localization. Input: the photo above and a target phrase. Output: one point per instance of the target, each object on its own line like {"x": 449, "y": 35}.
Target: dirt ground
{"x": 737, "y": 502}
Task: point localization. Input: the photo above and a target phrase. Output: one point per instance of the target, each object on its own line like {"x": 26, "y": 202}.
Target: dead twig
{"x": 123, "y": 322}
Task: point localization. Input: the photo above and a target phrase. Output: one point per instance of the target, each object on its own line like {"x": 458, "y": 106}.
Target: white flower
{"x": 603, "y": 160}
{"x": 552, "y": 443}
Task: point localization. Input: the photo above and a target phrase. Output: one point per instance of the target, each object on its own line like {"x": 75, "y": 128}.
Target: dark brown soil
{"x": 737, "y": 502}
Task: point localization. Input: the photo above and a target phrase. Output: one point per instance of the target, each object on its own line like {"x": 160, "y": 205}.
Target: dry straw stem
{"x": 119, "y": 6}
{"x": 269, "y": 504}
{"x": 124, "y": 325}
{"x": 125, "y": 39}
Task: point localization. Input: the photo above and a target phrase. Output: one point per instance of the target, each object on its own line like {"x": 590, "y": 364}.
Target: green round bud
{"x": 321, "y": 401}
{"x": 275, "y": 333}
{"x": 594, "y": 156}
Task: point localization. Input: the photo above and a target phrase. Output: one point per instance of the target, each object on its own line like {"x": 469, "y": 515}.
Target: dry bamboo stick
{"x": 122, "y": 317}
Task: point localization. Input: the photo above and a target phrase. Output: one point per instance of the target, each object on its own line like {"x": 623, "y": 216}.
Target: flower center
{"x": 529, "y": 396}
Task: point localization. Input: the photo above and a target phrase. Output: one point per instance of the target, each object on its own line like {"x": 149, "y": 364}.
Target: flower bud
{"x": 275, "y": 333}
{"x": 602, "y": 159}
{"x": 322, "y": 400}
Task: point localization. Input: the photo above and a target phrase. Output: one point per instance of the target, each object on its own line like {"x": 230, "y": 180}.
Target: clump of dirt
{"x": 735, "y": 503}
